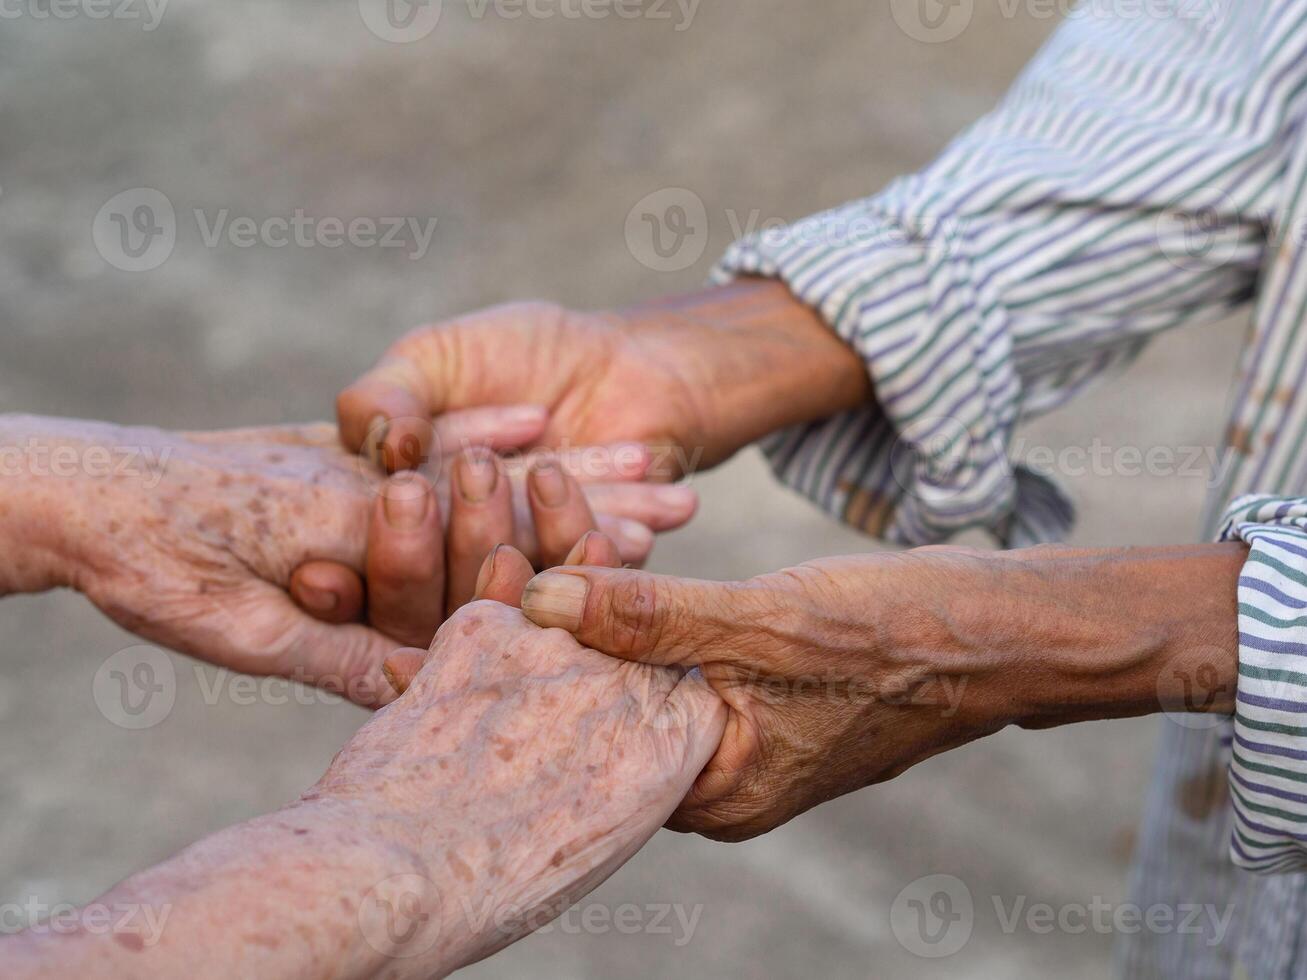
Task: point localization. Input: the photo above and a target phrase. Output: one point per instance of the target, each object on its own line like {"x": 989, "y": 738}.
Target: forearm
{"x": 298, "y": 893}
{"x": 37, "y": 540}
{"x": 1049, "y": 636}
{"x": 778, "y": 363}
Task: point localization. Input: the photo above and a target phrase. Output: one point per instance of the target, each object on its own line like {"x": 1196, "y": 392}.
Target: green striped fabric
{"x": 1147, "y": 171}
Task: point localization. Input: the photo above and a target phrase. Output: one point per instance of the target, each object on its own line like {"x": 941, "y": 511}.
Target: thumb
{"x": 635, "y": 615}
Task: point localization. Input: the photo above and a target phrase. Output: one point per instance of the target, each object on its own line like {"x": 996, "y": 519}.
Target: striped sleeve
{"x": 1117, "y": 192}
{"x": 1268, "y": 768}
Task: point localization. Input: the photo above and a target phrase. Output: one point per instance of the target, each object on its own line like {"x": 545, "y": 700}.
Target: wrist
{"x": 762, "y": 360}
{"x": 39, "y": 540}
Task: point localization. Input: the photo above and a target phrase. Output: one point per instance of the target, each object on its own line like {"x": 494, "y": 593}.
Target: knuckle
{"x": 636, "y": 614}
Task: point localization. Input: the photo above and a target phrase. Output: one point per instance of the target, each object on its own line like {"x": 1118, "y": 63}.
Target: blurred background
{"x": 530, "y": 140}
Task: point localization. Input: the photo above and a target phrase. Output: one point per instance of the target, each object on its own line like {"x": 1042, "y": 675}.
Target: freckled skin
{"x": 130, "y": 941}
{"x": 602, "y": 752}
{"x": 194, "y": 549}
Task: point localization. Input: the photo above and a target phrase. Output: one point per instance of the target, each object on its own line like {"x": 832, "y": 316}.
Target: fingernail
{"x": 550, "y": 484}
{"x": 406, "y": 500}
{"x": 487, "y": 570}
{"x": 577, "y": 555}
{"x": 477, "y": 478}
{"x": 317, "y": 600}
{"x": 634, "y": 537}
{"x": 375, "y": 440}
{"x": 553, "y": 599}
{"x": 401, "y": 667}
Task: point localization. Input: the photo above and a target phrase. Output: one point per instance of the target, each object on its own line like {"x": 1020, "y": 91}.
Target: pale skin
{"x": 464, "y": 815}
{"x": 841, "y": 672}
{"x": 193, "y": 540}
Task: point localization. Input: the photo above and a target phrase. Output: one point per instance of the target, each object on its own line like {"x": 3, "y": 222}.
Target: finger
{"x": 405, "y": 564}
{"x": 480, "y": 517}
{"x": 504, "y": 575}
{"x": 558, "y": 509}
{"x": 617, "y": 462}
{"x": 498, "y": 427}
{"x": 328, "y": 591}
{"x": 394, "y": 389}
{"x": 595, "y": 549}
{"x": 634, "y": 541}
{"x": 658, "y": 506}
{"x": 636, "y": 615}
{"x": 402, "y": 666}
{"x": 345, "y": 659}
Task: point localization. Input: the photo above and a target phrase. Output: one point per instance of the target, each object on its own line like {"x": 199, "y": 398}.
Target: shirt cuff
{"x": 1268, "y": 768}
{"x": 928, "y": 458}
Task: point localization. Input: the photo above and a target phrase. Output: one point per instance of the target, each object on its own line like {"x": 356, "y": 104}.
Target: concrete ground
{"x": 530, "y": 140}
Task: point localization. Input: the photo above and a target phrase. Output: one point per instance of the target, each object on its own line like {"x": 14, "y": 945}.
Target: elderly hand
{"x": 699, "y": 377}
{"x": 190, "y": 540}
{"x": 419, "y": 571}
{"x": 844, "y": 672}
{"x": 517, "y": 773}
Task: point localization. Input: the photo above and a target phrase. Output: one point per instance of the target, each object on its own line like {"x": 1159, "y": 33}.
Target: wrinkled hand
{"x": 832, "y": 677}
{"x": 195, "y": 550}
{"x": 517, "y": 773}
{"x": 697, "y": 378}
{"x": 521, "y": 769}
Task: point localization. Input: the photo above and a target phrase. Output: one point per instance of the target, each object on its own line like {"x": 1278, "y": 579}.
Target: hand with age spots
{"x": 844, "y": 672}
{"x": 517, "y": 771}
{"x": 819, "y": 705}
{"x": 195, "y": 543}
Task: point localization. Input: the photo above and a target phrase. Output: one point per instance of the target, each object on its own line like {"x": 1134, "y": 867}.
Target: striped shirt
{"x": 1146, "y": 172}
